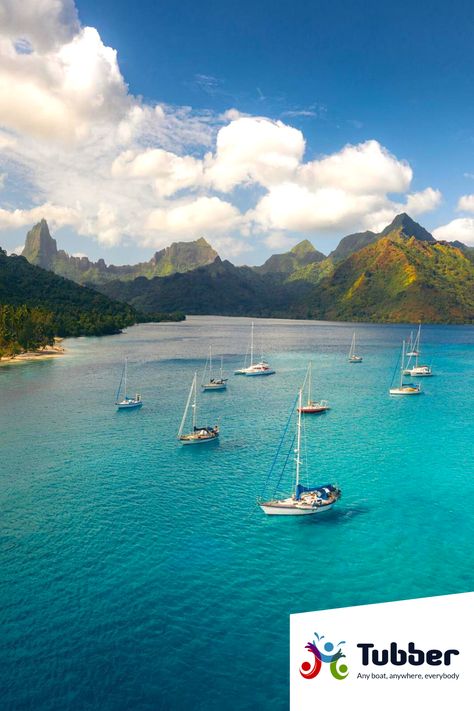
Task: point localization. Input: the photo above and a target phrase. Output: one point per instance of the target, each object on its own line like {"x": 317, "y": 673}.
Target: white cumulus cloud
{"x": 89, "y": 154}
{"x": 466, "y": 203}
{"x": 461, "y": 229}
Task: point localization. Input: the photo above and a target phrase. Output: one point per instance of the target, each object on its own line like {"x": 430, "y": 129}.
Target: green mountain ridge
{"x": 397, "y": 279}
{"x": 72, "y": 309}
{"x": 299, "y": 256}
{"x": 399, "y": 274}
{"x": 41, "y": 249}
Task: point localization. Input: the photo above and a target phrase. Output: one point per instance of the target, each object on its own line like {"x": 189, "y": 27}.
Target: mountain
{"x": 72, "y": 310}
{"x": 299, "y": 256}
{"x": 41, "y": 249}
{"x": 217, "y": 288}
{"x": 404, "y": 275}
{"x": 352, "y": 243}
{"x": 397, "y": 279}
{"x": 402, "y": 224}
{"x": 400, "y": 274}
{"x": 407, "y": 228}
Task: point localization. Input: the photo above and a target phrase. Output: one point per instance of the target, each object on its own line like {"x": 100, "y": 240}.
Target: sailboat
{"x": 353, "y": 358}
{"x": 304, "y": 500}
{"x": 414, "y": 351}
{"x": 404, "y": 388}
{"x": 213, "y": 383}
{"x": 261, "y": 368}
{"x": 312, "y": 407}
{"x": 198, "y": 435}
{"x": 126, "y": 403}
{"x": 411, "y": 345}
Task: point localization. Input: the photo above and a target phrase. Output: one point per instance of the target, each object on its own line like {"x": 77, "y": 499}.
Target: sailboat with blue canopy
{"x": 305, "y": 500}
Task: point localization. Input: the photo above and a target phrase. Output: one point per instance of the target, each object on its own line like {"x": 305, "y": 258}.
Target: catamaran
{"x": 198, "y": 435}
{"x": 413, "y": 352}
{"x": 126, "y": 403}
{"x": 404, "y": 388}
{"x": 213, "y": 383}
{"x": 353, "y": 358}
{"x": 312, "y": 407}
{"x": 261, "y": 368}
{"x": 305, "y": 500}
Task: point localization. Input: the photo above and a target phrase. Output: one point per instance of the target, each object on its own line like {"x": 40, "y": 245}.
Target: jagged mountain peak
{"x": 303, "y": 247}
{"x": 40, "y": 248}
{"x": 408, "y": 228}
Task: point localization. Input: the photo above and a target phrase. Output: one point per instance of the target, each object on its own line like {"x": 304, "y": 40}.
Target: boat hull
{"x": 197, "y": 440}
{"x": 256, "y": 373}
{"x": 129, "y": 405}
{"x": 214, "y": 386}
{"x": 400, "y": 392}
{"x": 289, "y": 510}
{"x": 418, "y": 374}
{"x": 313, "y": 410}
{"x": 355, "y": 359}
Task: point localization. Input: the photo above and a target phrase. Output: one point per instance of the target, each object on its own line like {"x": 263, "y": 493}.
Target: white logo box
{"x": 433, "y": 623}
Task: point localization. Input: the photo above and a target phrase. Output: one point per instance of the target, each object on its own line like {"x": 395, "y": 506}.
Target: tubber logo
{"x": 324, "y": 653}
{"x": 400, "y": 657}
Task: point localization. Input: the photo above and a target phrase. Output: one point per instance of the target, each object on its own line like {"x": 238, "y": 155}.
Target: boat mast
{"x": 193, "y": 386}
{"x": 352, "y": 350}
{"x": 210, "y": 362}
{"x": 222, "y": 360}
{"x": 309, "y": 383}
{"x": 181, "y": 427}
{"x": 251, "y": 346}
{"x": 417, "y": 349}
{"x": 298, "y": 441}
{"x": 125, "y": 380}
{"x": 403, "y": 363}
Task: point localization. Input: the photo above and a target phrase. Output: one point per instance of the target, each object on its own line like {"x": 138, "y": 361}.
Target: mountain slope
{"x": 76, "y": 310}
{"x": 352, "y": 243}
{"x": 301, "y": 255}
{"x": 218, "y": 288}
{"x": 397, "y": 279}
{"x": 403, "y": 224}
{"x": 41, "y": 249}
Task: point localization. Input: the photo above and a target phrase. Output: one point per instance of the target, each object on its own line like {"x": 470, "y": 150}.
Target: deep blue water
{"x": 136, "y": 574}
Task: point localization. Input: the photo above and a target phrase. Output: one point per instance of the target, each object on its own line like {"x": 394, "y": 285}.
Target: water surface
{"x": 140, "y": 575}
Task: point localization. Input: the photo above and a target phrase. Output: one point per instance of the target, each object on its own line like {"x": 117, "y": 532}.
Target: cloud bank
{"x": 93, "y": 156}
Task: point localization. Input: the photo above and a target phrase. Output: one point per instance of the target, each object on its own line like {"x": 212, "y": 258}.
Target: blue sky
{"x": 340, "y": 72}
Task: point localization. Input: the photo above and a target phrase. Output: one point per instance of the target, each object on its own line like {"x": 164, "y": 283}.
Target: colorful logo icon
{"x": 324, "y": 654}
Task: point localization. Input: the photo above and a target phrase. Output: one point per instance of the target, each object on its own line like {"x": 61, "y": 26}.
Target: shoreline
{"x": 28, "y": 356}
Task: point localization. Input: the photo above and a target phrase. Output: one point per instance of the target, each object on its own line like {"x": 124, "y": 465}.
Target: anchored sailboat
{"x": 213, "y": 383}
{"x": 353, "y": 358}
{"x": 304, "y": 500}
{"x": 261, "y": 368}
{"x": 126, "y": 403}
{"x": 312, "y": 407}
{"x": 404, "y": 388}
{"x": 413, "y": 352}
{"x": 198, "y": 435}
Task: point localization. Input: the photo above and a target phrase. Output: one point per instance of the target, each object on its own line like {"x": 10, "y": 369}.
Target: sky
{"x": 254, "y": 124}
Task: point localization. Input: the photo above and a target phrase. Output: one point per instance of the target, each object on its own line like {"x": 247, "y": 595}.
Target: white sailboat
{"x": 254, "y": 369}
{"x": 312, "y": 407}
{"x": 413, "y": 367}
{"x": 126, "y": 402}
{"x": 213, "y": 383}
{"x": 305, "y": 500}
{"x": 198, "y": 435}
{"x": 404, "y": 388}
{"x": 353, "y": 357}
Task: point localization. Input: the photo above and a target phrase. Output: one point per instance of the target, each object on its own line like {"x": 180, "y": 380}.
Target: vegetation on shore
{"x": 36, "y": 305}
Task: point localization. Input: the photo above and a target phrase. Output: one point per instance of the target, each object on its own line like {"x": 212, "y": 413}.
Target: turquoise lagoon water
{"x": 136, "y": 574}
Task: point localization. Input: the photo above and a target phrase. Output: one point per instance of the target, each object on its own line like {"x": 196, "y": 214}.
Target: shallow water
{"x": 137, "y": 574}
